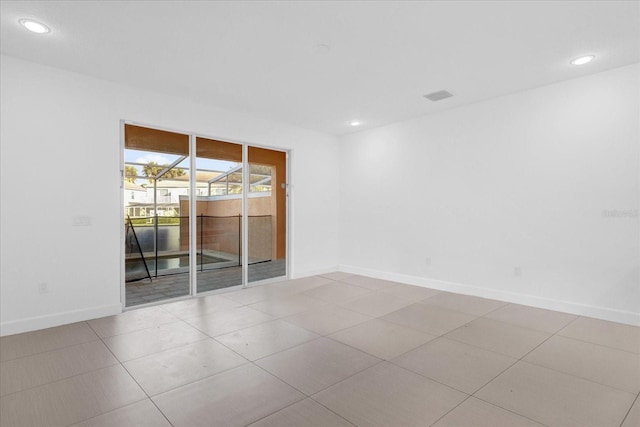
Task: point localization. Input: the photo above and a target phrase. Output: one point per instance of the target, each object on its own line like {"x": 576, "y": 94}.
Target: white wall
{"x": 545, "y": 180}
{"x": 61, "y": 135}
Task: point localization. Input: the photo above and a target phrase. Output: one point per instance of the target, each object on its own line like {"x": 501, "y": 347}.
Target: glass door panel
{"x": 267, "y": 205}
{"x": 156, "y": 215}
{"x": 163, "y": 247}
{"x": 218, "y": 214}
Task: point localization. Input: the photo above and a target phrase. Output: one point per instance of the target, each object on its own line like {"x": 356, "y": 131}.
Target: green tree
{"x": 151, "y": 169}
{"x": 130, "y": 173}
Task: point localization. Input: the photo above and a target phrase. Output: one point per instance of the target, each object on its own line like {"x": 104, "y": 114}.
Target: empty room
{"x": 320, "y": 213}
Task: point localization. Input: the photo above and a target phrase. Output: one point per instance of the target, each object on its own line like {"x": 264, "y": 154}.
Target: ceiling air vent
{"x": 439, "y": 95}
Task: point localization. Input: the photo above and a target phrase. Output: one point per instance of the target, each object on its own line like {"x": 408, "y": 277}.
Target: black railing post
{"x": 135, "y": 236}
{"x": 201, "y": 242}
{"x": 156, "y": 241}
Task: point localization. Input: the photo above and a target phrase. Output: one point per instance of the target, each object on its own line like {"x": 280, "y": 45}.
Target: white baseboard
{"x": 604, "y": 313}
{"x": 316, "y": 272}
{"x": 57, "y": 319}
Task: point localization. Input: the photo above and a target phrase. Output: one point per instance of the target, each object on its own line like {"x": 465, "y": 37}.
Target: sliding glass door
{"x": 219, "y": 206}
{"x": 267, "y": 204}
{"x": 156, "y": 215}
{"x": 191, "y": 205}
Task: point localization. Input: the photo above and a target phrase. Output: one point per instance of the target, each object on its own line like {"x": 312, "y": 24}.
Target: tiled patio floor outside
{"x": 176, "y": 285}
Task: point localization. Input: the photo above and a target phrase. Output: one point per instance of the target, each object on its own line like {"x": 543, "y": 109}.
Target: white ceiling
{"x": 261, "y": 58}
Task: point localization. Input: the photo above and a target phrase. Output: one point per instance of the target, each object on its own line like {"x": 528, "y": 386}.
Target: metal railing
{"x": 164, "y": 243}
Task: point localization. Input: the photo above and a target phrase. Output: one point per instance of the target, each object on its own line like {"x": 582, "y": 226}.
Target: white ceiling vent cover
{"x": 439, "y": 95}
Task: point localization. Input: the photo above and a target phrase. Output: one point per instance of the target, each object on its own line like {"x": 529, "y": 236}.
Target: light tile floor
{"x": 331, "y": 350}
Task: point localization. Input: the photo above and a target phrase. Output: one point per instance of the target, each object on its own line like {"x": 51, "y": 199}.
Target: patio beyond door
{"x": 192, "y": 205}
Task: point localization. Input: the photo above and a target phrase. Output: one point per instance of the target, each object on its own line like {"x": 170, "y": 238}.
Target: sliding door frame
{"x": 193, "y": 291}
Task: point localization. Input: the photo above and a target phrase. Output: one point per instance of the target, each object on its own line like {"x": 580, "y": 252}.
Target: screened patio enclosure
{"x": 172, "y": 180}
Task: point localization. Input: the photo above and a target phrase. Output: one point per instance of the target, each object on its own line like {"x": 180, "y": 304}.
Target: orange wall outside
{"x": 222, "y": 233}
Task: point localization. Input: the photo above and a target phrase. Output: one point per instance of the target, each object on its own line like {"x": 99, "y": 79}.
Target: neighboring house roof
{"x": 133, "y": 187}
{"x": 201, "y": 176}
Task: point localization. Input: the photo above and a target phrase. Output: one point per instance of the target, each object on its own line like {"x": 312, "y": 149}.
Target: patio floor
{"x": 176, "y": 285}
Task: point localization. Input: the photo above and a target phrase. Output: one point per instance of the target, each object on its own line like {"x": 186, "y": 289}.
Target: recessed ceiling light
{"x": 583, "y": 60}
{"x": 34, "y": 26}
{"x": 354, "y": 123}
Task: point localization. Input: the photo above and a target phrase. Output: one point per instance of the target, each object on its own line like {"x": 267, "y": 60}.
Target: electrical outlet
{"x": 43, "y": 288}
{"x": 81, "y": 221}
{"x": 517, "y": 271}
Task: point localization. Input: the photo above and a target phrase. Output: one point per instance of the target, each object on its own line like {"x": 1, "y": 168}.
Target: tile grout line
{"x": 161, "y": 351}
{"x": 598, "y": 344}
{"x": 305, "y": 396}
{"x": 253, "y": 362}
{"x": 408, "y": 327}
{"x": 517, "y": 360}
{"x": 177, "y": 319}
{"x": 310, "y": 396}
{"x": 366, "y": 352}
{"x": 200, "y": 379}
{"x": 333, "y": 332}
{"x": 565, "y": 373}
{"x": 448, "y": 385}
{"x": 65, "y": 378}
{"x": 135, "y": 381}
{"x": 500, "y": 321}
{"x": 575, "y": 376}
{"x": 286, "y": 294}
{"x": 246, "y": 362}
{"x": 341, "y": 381}
{"x": 636, "y": 400}
{"x": 97, "y": 337}
{"x": 578, "y": 317}
{"x": 521, "y": 360}
{"x": 331, "y": 410}
{"x": 451, "y": 410}
{"x": 510, "y": 410}
{"x": 431, "y": 379}
{"x": 594, "y": 343}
